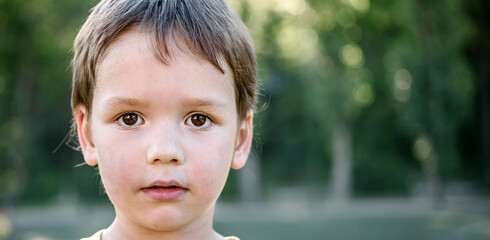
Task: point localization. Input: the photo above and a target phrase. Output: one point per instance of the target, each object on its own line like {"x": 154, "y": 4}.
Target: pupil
{"x": 198, "y": 120}
{"x": 130, "y": 119}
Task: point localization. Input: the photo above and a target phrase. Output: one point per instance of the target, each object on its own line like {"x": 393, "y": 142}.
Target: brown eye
{"x": 130, "y": 119}
{"x": 198, "y": 120}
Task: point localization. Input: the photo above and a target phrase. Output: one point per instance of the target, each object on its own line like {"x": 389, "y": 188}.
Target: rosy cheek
{"x": 199, "y": 172}
{"x": 210, "y": 173}
{"x": 117, "y": 167}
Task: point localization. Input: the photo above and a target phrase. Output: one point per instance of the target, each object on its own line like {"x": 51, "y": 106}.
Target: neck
{"x": 126, "y": 229}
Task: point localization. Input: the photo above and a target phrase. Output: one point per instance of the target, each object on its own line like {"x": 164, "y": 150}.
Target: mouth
{"x": 165, "y": 191}
{"x": 163, "y": 187}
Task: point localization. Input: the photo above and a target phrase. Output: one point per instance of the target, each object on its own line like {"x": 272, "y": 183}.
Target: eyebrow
{"x": 118, "y": 102}
{"x": 205, "y": 103}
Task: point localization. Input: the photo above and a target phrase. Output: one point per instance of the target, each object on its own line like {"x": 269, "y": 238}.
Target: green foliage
{"x": 402, "y": 74}
{"x": 35, "y": 40}
{"x": 395, "y": 71}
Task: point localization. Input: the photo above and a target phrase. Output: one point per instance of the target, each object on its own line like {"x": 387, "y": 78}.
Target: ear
{"x": 84, "y": 136}
{"x": 243, "y": 141}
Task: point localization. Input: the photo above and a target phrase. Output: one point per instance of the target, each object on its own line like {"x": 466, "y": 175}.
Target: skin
{"x": 162, "y": 142}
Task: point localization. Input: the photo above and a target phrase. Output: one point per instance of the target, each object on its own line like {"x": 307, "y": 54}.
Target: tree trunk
{"x": 342, "y": 162}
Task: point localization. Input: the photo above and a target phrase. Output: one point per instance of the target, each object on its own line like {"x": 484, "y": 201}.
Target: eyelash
{"x": 207, "y": 124}
{"x": 120, "y": 120}
{"x": 188, "y": 121}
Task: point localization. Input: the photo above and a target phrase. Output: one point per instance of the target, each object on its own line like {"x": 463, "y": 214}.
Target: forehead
{"x": 130, "y": 66}
{"x": 140, "y": 42}
{"x": 165, "y": 50}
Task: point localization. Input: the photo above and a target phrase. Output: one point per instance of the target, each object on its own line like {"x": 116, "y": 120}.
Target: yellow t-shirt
{"x": 98, "y": 235}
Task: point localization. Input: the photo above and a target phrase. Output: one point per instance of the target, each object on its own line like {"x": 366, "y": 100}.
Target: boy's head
{"x": 163, "y": 99}
{"x": 209, "y": 29}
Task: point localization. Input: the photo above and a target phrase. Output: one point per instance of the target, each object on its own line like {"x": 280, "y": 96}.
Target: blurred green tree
{"x": 364, "y": 96}
{"x": 35, "y": 40}
{"x": 382, "y": 87}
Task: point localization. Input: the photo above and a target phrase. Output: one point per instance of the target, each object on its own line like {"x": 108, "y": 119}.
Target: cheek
{"x": 210, "y": 167}
{"x": 210, "y": 179}
{"x": 116, "y": 162}
{"x": 112, "y": 169}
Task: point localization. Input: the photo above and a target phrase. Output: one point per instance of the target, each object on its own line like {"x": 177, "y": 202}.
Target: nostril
{"x": 163, "y": 160}
{"x": 175, "y": 161}
{"x": 165, "y": 153}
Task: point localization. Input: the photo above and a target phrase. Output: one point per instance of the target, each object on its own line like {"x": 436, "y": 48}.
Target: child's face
{"x": 164, "y": 136}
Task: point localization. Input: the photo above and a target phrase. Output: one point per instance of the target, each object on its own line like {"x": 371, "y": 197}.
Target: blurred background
{"x": 376, "y": 125}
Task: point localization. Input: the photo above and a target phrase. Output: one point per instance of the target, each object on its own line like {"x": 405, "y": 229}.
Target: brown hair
{"x": 208, "y": 28}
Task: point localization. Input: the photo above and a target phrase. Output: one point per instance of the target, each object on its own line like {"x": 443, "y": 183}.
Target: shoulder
{"x": 96, "y": 236}
{"x": 232, "y": 238}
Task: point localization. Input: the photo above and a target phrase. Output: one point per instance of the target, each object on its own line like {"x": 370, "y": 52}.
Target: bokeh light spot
{"x": 309, "y": 17}
{"x": 364, "y": 94}
{"x": 402, "y": 85}
{"x": 360, "y": 5}
{"x": 326, "y": 20}
{"x": 402, "y": 95}
{"x": 422, "y": 148}
{"x": 293, "y": 7}
{"x": 298, "y": 43}
{"x": 351, "y": 55}
{"x": 403, "y": 79}
{"x": 235, "y": 5}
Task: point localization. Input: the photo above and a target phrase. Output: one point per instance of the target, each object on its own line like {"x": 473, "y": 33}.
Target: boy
{"x": 163, "y": 99}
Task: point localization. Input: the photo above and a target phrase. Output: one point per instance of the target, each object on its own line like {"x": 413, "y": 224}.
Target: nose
{"x": 164, "y": 146}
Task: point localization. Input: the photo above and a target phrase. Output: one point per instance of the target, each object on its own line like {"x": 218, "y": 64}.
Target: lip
{"x": 165, "y": 191}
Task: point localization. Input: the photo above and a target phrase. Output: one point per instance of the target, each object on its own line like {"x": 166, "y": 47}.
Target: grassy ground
{"x": 386, "y": 219}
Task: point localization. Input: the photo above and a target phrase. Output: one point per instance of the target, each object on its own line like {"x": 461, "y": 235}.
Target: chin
{"x": 167, "y": 223}
{"x": 167, "y": 227}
